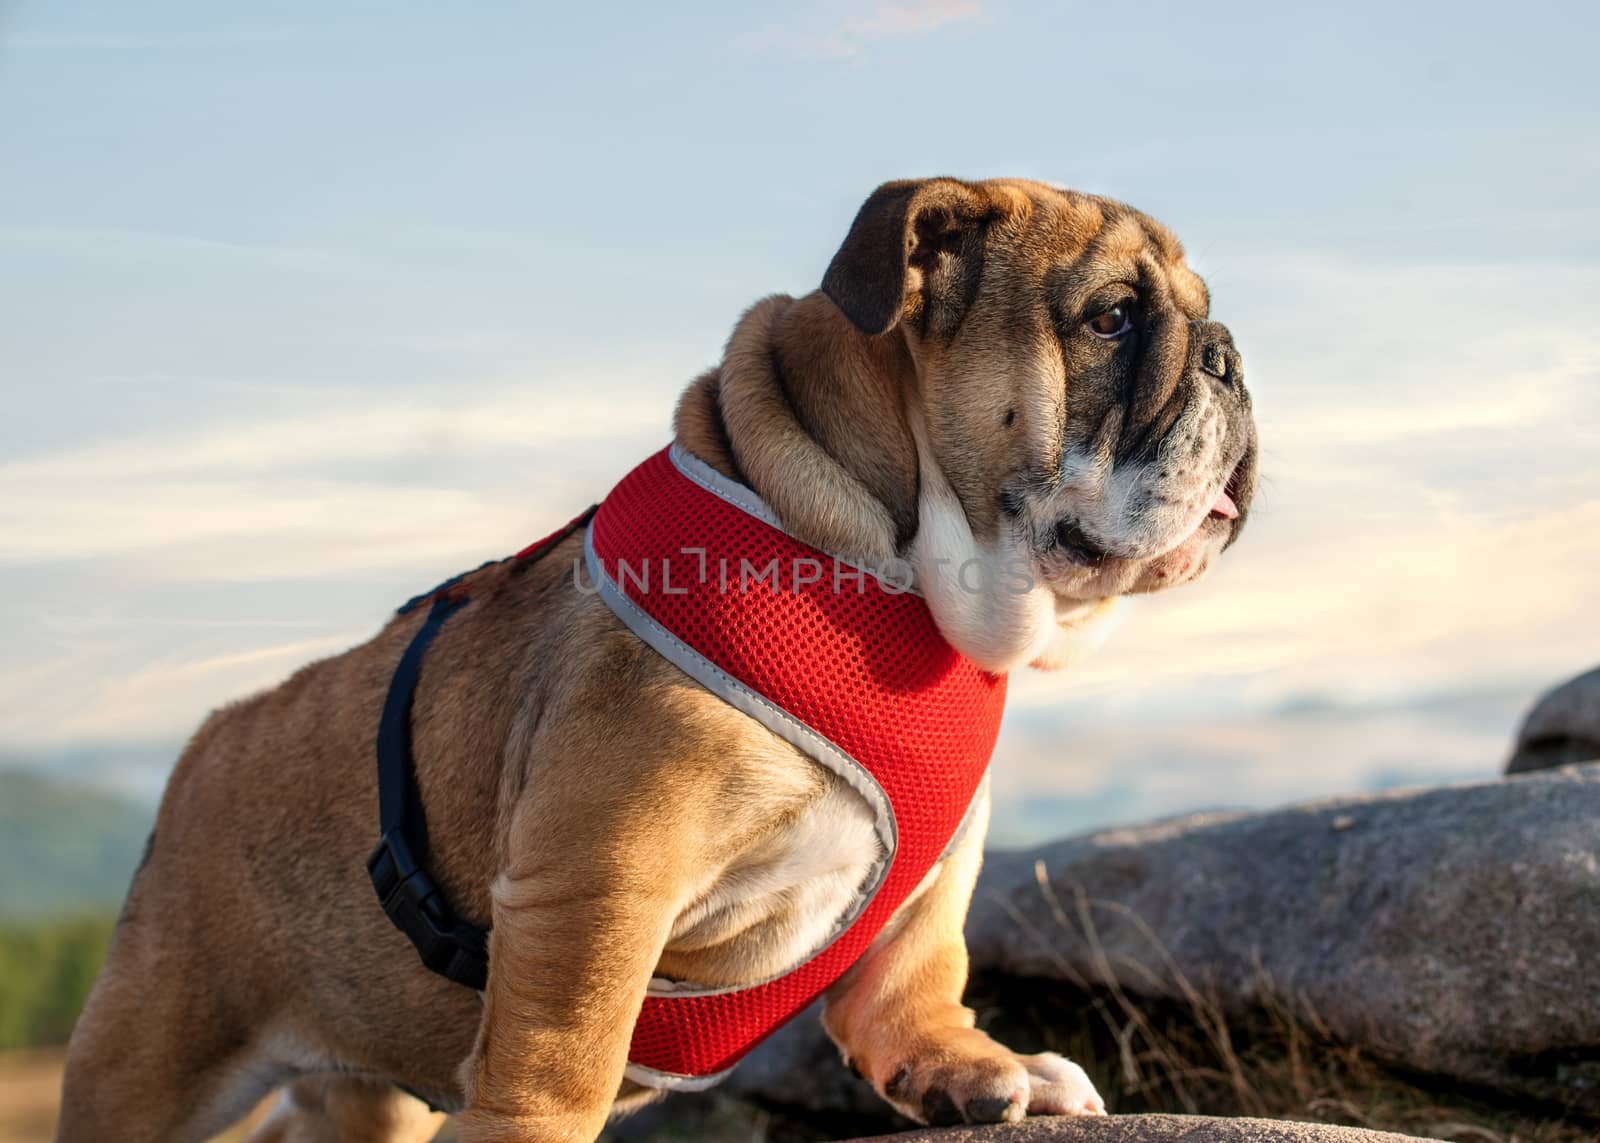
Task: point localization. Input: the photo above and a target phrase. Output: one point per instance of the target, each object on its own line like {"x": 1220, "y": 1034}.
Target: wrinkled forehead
{"x": 1092, "y": 242}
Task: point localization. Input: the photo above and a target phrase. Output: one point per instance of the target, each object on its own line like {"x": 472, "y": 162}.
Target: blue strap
{"x": 413, "y": 901}
{"x": 448, "y": 945}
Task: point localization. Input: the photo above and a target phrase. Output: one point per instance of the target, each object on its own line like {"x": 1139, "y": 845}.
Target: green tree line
{"x": 46, "y": 969}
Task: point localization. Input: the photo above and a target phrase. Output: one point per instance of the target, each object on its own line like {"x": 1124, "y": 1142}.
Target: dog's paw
{"x": 965, "y": 1079}
{"x": 968, "y": 1078}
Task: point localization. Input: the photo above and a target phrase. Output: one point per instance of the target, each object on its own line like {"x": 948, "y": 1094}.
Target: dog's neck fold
{"x": 826, "y": 425}
{"x": 808, "y": 412}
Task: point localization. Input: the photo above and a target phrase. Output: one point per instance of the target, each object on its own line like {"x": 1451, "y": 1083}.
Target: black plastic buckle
{"x": 447, "y": 945}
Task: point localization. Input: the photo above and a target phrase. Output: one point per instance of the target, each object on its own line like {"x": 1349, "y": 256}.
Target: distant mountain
{"x": 65, "y": 846}
{"x": 135, "y": 769}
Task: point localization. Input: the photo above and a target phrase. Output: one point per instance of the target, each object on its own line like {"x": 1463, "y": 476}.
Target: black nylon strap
{"x": 399, "y": 805}
{"x": 447, "y": 945}
{"x": 453, "y": 948}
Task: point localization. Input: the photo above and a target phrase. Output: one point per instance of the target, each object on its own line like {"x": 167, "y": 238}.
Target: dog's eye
{"x": 1111, "y": 323}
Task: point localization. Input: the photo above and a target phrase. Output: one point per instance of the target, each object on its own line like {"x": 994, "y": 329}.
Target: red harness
{"x": 849, "y": 668}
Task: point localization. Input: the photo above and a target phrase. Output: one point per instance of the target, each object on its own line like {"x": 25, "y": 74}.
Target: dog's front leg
{"x": 898, "y": 1018}
{"x": 581, "y": 914}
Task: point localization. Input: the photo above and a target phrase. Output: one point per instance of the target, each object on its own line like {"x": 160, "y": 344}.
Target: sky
{"x": 304, "y": 308}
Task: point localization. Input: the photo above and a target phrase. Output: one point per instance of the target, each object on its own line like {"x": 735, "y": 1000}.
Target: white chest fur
{"x": 784, "y": 898}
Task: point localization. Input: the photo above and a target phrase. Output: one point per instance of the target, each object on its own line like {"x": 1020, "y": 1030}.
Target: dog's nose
{"x": 1214, "y": 348}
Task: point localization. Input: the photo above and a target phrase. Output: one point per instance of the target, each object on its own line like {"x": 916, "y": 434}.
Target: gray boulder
{"x": 1562, "y": 727}
{"x": 1454, "y": 931}
{"x": 1145, "y": 1129}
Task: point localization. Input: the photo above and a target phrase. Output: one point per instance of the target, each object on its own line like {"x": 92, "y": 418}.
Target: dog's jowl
{"x": 713, "y": 750}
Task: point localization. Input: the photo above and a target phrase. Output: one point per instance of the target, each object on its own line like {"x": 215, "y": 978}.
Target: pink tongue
{"x": 1225, "y": 507}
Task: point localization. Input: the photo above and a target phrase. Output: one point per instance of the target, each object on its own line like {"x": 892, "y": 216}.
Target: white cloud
{"x": 915, "y": 18}
{"x": 1430, "y": 521}
{"x": 328, "y": 489}
{"x": 850, "y": 35}
{"x": 138, "y": 705}
{"x": 1088, "y": 772}
{"x": 1417, "y": 606}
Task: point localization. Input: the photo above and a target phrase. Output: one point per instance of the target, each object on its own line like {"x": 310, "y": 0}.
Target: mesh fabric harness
{"x": 850, "y": 669}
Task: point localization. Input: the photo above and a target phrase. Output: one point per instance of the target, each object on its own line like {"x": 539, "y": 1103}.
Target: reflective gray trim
{"x": 746, "y": 500}
{"x": 740, "y": 496}
{"x": 737, "y": 695}
{"x": 671, "y": 1081}
{"x": 966, "y": 818}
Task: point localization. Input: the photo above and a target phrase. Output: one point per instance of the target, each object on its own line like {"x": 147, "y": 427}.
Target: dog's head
{"x": 1076, "y": 402}
{"x": 1073, "y": 386}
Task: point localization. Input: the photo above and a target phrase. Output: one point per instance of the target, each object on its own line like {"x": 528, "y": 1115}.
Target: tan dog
{"x": 993, "y": 371}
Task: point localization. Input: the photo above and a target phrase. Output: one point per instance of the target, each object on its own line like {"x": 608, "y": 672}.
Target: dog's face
{"x": 1074, "y": 392}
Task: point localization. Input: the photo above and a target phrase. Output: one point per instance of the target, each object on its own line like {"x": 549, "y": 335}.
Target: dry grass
{"x": 1166, "y": 1058}
{"x": 1184, "y": 1054}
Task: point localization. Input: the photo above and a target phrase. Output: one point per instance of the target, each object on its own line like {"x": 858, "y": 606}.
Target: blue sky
{"x": 309, "y": 306}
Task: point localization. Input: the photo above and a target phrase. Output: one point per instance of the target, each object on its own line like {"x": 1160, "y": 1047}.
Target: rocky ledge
{"x": 1146, "y": 1129}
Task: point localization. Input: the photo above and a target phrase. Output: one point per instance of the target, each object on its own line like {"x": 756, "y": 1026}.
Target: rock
{"x": 1145, "y": 1129}
{"x": 1562, "y": 727}
{"x": 1452, "y": 931}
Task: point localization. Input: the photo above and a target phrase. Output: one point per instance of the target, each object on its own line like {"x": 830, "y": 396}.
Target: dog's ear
{"x": 914, "y": 251}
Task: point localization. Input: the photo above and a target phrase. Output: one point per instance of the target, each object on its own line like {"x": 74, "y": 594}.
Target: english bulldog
{"x": 1004, "y": 373}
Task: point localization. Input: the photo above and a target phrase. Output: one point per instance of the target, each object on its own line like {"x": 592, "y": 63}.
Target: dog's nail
{"x": 992, "y": 1110}
{"x": 896, "y": 1087}
{"x": 939, "y": 1109}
